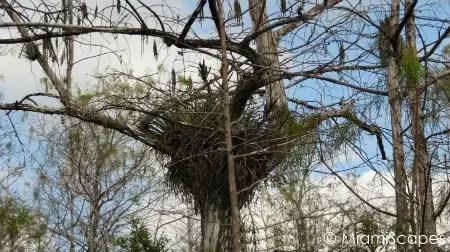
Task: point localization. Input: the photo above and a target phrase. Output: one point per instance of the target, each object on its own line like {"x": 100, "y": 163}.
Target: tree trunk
{"x": 94, "y": 216}
{"x": 267, "y": 47}
{"x": 71, "y": 234}
{"x": 401, "y": 202}
{"x": 190, "y": 241}
{"x": 93, "y": 227}
{"x": 212, "y": 220}
{"x": 68, "y": 19}
{"x": 426, "y": 221}
{"x": 235, "y": 223}
{"x": 12, "y": 242}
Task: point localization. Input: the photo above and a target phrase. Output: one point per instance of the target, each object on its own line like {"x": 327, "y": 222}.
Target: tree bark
{"x": 93, "y": 227}
{"x": 212, "y": 219}
{"x": 422, "y": 165}
{"x": 190, "y": 241}
{"x": 71, "y": 234}
{"x": 267, "y": 47}
{"x": 94, "y": 215}
{"x": 235, "y": 224}
{"x": 395, "y": 103}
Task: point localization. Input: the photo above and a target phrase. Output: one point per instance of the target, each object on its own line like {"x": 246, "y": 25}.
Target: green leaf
{"x": 411, "y": 71}
{"x": 85, "y": 99}
{"x": 446, "y": 50}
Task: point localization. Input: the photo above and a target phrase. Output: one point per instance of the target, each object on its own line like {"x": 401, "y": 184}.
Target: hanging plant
{"x": 237, "y": 11}
{"x": 118, "y": 6}
{"x": 411, "y": 71}
{"x": 30, "y": 51}
{"x": 341, "y": 54}
{"x": 201, "y": 17}
{"x": 383, "y": 44}
{"x": 174, "y": 80}
{"x": 283, "y": 6}
{"x": 63, "y": 56}
{"x": 155, "y": 50}
{"x": 84, "y": 10}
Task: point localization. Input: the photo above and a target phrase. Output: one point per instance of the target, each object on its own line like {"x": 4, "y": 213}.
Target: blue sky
{"x": 20, "y": 81}
{"x": 22, "y": 77}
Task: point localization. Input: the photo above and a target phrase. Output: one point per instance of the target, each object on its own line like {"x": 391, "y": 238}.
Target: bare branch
{"x": 154, "y": 13}
{"x": 191, "y": 20}
{"x": 296, "y": 22}
{"x": 58, "y": 84}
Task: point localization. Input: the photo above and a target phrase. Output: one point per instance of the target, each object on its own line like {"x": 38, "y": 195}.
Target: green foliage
{"x": 185, "y": 80}
{"x": 383, "y": 44}
{"x": 140, "y": 240}
{"x": 45, "y": 81}
{"x": 411, "y": 71}
{"x": 288, "y": 191}
{"x": 113, "y": 89}
{"x": 160, "y": 68}
{"x": 446, "y": 50}
{"x": 110, "y": 148}
{"x": 277, "y": 234}
{"x": 294, "y": 127}
{"x": 75, "y": 135}
{"x": 368, "y": 227}
{"x": 439, "y": 96}
{"x": 301, "y": 128}
{"x": 18, "y": 221}
{"x": 84, "y": 99}
{"x": 342, "y": 133}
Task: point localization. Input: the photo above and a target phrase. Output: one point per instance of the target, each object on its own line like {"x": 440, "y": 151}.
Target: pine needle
{"x": 237, "y": 11}
{"x": 155, "y": 50}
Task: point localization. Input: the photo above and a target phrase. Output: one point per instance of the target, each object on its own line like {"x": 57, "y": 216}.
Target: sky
{"x": 21, "y": 77}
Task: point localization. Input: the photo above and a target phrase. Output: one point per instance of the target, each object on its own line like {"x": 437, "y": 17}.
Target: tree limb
{"x": 405, "y": 19}
{"x": 141, "y": 20}
{"x": 436, "y": 45}
{"x": 191, "y": 20}
{"x": 154, "y": 13}
{"x": 353, "y": 191}
{"x": 214, "y": 14}
{"x": 86, "y": 115}
{"x": 24, "y": 31}
{"x": 294, "y": 23}
{"x": 442, "y": 205}
{"x": 71, "y": 30}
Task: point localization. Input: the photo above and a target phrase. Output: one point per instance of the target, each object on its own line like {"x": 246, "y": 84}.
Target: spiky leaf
{"x": 119, "y": 6}
{"x": 341, "y": 54}
{"x": 283, "y": 6}
{"x": 174, "y": 80}
{"x": 63, "y": 56}
{"x": 237, "y": 11}
{"x": 84, "y": 10}
{"x": 155, "y": 50}
{"x": 384, "y": 45}
{"x": 201, "y": 16}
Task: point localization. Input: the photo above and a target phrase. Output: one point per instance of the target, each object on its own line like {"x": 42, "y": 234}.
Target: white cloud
{"x": 22, "y": 77}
